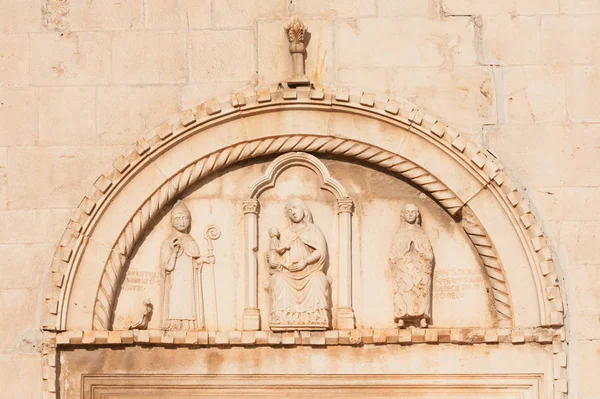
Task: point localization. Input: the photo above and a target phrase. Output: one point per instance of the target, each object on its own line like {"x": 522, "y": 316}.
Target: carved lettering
{"x": 138, "y": 280}
{"x": 453, "y": 284}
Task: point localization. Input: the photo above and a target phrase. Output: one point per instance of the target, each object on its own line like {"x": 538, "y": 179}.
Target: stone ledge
{"x": 410, "y": 336}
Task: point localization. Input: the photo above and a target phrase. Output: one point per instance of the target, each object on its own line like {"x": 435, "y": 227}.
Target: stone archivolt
{"x": 479, "y": 163}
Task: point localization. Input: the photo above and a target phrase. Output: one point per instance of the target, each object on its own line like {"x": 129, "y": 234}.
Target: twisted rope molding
{"x": 493, "y": 268}
{"x": 114, "y": 268}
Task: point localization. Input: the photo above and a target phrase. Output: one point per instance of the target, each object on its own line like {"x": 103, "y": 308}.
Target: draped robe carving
{"x": 411, "y": 262}
{"x": 298, "y": 259}
{"x": 180, "y": 260}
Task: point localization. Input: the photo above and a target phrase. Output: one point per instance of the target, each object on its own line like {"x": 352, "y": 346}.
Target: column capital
{"x": 345, "y": 205}
{"x": 251, "y": 206}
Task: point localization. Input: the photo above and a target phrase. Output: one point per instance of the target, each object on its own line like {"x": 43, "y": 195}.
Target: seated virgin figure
{"x": 298, "y": 259}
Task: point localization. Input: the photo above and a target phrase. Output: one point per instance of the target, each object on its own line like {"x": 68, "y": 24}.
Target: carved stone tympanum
{"x": 181, "y": 262}
{"x": 298, "y": 258}
{"x": 411, "y": 261}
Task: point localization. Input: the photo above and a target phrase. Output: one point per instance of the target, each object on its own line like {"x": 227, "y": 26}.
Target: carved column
{"x": 251, "y": 318}
{"x": 345, "y": 312}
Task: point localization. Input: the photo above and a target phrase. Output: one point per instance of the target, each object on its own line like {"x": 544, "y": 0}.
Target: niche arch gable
{"x": 288, "y": 160}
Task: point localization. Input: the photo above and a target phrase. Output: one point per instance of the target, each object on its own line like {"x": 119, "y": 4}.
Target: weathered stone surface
{"x": 408, "y": 8}
{"x": 416, "y": 42}
{"x": 74, "y": 58}
{"x": 336, "y": 8}
{"x": 464, "y": 98}
{"x": 221, "y": 55}
{"x": 587, "y": 299}
{"x": 372, "y": 80}
{"x": 577, "y": 238}
{"x": 32, "y": 226}
{"x": 470, "y": 7}
{"x": 583, "y": 93}
{"x": 20, "y": 16}
{"x": 535, "y": 94}
{"x": 563, "y": 36}
{"x": 567, "y": 203}
{"x": 511, "y": 40}
{"x": 148, "y": 57}
{"x": 67, "y": 173}
{"x": 198, "y": 93}
{"x": 307, "y": 360}
{"x": 19, "y": 116}
{"x": 150, "y": 106}
{"x": 16, "y": 304}
{"x": 24, "y": 265}
{"x": 59, "y": 125}
{"x": 178, "y": 14}
{"x": 579, "y": 7}
{"x": 14, "y": 60}
{"x": 585, "y": 361}
{"x": 101, "y": 15}
{"x": 532, "y": 7}
{"x": 3, "y": 178}
{"x": 588, "y": 327}
{"x": 572, "y": 146}
{"x": 18, "y": 382}
{"x": 236, "y": 14}
{"x": 275, "y": 62}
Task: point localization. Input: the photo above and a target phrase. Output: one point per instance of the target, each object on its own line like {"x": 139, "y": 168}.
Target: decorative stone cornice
{"x": 408, "y": 336}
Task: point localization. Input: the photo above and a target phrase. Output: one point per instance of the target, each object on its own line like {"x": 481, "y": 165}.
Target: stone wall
{"x": 81, "y": 80}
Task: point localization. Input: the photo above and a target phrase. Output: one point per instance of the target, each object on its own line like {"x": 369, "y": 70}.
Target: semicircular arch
{"x": 463, "y": 178}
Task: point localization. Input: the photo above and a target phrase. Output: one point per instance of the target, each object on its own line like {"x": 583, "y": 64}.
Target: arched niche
{"x": 466, "y": 181}
{"x": 251, "y": 317}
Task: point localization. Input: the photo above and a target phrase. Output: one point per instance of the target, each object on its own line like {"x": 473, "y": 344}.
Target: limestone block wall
{"x": 80, "y": 81}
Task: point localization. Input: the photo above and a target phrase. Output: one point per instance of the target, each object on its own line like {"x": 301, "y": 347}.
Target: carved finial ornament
{"x": 295, "y": 30}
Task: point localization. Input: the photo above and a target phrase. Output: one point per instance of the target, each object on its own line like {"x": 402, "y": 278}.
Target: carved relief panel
{"x": 293, "y": 256}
